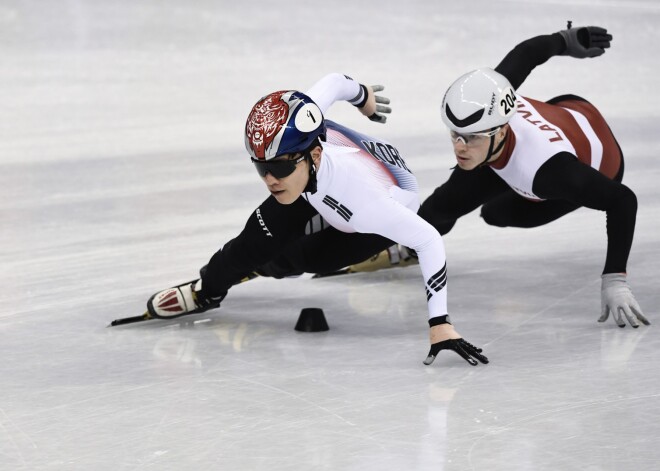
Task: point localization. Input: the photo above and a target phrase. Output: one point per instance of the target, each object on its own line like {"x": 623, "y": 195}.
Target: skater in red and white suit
{"x": 320, "y": 173}
{"x": 527, "y": 162}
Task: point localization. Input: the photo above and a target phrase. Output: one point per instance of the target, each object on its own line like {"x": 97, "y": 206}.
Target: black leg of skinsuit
{"x": 323, "y": 252}
{"x": 512, "y": 210}
{"x": 275, "y": 242}
{"x": 461, "y": 194}
{"x": 465, "y": 191}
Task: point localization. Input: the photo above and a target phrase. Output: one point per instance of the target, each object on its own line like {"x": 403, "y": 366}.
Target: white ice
{"x": 122, "y": 170}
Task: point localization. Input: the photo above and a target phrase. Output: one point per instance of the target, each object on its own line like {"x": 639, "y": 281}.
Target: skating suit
{"x": 365, "y": 186}
{"x": 541, "y": 130}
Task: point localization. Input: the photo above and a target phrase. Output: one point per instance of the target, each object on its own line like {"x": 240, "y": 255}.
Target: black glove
{"x": 460, "y": 346}
{"x": 585, "y": 41}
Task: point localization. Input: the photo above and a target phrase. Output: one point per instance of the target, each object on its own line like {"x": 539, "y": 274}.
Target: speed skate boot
{"x": 394, "y": 256}
{"x": 186, "y": 298}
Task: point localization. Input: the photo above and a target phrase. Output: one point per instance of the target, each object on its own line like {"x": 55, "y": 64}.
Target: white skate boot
{"x": 395, "y": 256}
{"x": 180, "y": 300}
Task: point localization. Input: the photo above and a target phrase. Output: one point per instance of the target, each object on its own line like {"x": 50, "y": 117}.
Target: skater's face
{"x": 471, "y": 149}
{"x": 288, "y": 189}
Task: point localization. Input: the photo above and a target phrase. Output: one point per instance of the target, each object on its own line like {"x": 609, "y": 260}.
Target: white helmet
{"x": 478, "y": 101}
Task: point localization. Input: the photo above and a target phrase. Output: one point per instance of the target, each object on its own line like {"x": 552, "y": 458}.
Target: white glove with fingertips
{"x": 616, "y": 297}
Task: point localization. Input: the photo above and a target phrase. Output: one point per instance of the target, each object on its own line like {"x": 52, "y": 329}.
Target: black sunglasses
{"x": 277, "y": 168}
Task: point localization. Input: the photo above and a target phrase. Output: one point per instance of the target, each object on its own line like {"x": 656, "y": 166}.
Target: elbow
{"x": 335, "y": 78}
{"x": 331, "y": 81}
{"x": 429, "y": 241}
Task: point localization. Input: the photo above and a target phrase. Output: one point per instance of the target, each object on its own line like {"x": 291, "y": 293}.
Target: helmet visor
{"x": 277, "y": 168}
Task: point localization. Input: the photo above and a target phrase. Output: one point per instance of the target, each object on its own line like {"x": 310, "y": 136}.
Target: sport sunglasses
{"x": 277, "y": 168}
{"x": 474, "y": 137}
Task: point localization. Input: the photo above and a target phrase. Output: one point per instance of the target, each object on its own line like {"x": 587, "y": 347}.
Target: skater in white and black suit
{"x": 527, "y": 162}
{"x": 359, "y": 185}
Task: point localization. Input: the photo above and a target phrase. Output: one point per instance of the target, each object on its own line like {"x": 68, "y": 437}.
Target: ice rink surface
{"x": 122, "y": 170}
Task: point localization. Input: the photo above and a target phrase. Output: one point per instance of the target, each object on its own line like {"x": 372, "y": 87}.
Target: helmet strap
{"x": 492, "y": 151}
{"x": 311, "y": 183}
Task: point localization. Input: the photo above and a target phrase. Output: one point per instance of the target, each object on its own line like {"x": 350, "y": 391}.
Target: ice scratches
{"x": 311, "y": 403}
{"x": 9, "y": 429}
{"x": 532, "y": 317}
{"x": 552, "y": 413}
{"x": 295, "y": 396}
